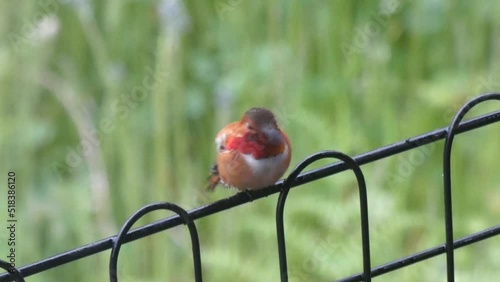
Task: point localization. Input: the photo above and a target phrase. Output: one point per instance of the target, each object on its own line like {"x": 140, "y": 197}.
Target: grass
{"x": 155, "y": 81}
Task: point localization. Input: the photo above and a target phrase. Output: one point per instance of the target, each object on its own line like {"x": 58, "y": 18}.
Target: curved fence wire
{"x": 283, "y": 187}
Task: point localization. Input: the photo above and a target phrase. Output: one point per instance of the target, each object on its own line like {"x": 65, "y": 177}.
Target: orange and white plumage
{"x": 252, "y": 153}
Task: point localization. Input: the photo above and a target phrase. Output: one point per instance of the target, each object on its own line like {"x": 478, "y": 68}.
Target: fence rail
{"x": 296, "y": 178}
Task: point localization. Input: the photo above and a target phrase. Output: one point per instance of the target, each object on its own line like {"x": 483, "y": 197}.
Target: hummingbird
{"x": 252, "y": 153}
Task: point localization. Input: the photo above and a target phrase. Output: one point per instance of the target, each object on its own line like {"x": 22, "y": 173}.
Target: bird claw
{"x": 247, "y": 192}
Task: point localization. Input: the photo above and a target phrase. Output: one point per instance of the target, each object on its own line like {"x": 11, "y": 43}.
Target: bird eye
{"x": 263, "y": 138}
{"x": 250, "y": 127}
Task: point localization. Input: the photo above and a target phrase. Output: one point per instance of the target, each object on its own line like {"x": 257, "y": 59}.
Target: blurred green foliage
{"x": 110, "y": 105}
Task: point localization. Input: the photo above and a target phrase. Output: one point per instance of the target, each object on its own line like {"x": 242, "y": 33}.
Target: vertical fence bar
{"x": 119, "y": 240}
{"x": 280, "y": 230}
{"x": 448, "y": 210}
{"x": 225, "y": 204}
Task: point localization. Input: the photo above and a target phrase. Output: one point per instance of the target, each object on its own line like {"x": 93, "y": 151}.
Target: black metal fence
{"x": 283, "y": 187}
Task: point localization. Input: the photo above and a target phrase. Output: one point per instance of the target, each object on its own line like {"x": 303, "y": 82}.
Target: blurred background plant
{"x": 109, "y": 105}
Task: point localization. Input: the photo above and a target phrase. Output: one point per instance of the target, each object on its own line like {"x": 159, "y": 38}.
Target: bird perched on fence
{"x": 252, "y": 153}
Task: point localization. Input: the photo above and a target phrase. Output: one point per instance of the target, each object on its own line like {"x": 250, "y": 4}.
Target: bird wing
{"x": 221, "y": 139}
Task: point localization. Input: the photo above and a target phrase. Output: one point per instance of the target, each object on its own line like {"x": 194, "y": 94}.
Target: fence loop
{"x": 451, "y": 132}
{"x": 12, "y": 270}
{"x": 209, "y": 209}
{"x": 120, "y": 238}
{"x": 280, "y": 230}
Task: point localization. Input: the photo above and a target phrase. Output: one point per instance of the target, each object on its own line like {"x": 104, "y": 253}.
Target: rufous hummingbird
{"x": 252, "y": 153}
